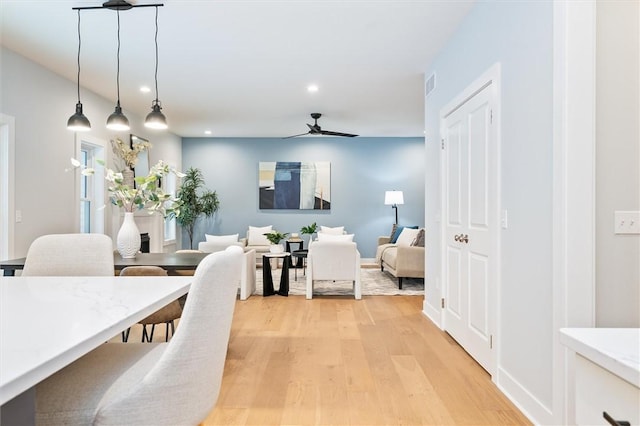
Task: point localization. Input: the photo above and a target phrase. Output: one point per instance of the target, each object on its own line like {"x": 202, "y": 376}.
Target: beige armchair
{"x": 333, "y": 261}
{"x": 400, "y": 260}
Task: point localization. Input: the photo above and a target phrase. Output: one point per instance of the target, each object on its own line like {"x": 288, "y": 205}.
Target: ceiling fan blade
{"x": 330, "y": 133}
{"x": 295, "y": 136}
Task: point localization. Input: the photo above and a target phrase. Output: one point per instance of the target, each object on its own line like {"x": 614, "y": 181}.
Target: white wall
{"x": 617, "y": 161}
{"x": 519, "y": 36}
{"x": 41, "y": 103}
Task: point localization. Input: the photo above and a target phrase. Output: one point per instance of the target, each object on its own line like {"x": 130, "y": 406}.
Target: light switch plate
{"x": 627, "y": 222}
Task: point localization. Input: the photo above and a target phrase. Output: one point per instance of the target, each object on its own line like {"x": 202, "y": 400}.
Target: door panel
{"x": 470, "y": 224}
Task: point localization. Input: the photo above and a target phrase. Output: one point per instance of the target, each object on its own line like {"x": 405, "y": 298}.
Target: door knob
{"x": 457, "y": 237}
{"x": 464, "y": 238}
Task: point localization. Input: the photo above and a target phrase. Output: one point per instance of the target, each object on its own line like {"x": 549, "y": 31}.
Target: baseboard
{"x": 432, "y": 313}
{"x": 527, "y": 403}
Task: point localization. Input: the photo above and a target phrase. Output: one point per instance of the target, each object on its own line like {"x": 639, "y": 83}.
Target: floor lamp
{"x": 393, "y": 198}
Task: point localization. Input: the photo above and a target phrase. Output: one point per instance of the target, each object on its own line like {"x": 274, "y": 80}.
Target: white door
{"x": 470, "y": 224}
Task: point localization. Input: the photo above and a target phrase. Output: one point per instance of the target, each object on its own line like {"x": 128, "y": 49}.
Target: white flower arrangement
{"x": 146, "y": 195}
{"x": 128, "y": 154}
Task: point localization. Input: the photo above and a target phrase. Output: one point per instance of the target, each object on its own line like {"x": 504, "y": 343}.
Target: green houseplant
{"x": 309, "y": 230}
{"x": 274, "y": 238}
{"x": 195, "y": 201}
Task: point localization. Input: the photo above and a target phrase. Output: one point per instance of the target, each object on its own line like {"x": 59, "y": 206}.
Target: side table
{"x": 301, "y": 255}
{"x": 288, "y": 244}
{"x": 267, "y": 277}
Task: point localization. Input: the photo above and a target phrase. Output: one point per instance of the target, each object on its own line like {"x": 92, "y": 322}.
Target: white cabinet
{"x": 606, "y": 368}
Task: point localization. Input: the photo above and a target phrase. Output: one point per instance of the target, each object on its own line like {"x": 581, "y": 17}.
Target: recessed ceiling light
{"x": 145, "y": 89}
{"x": 312, "y": 88}
{"x": 207, "y": 132}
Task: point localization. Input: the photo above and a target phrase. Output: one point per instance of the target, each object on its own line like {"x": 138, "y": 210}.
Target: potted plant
{"x": 274, "y": 238}
{"x": 309, "y": 230}
{"x": 195, "y": 201}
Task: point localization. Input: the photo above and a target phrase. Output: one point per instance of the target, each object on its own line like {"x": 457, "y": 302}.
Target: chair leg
{"x": 166, "y": 332}
{"x": 400, "y": 283}
{"x": 147, "y": 337}
{"x": 125, "y": 335}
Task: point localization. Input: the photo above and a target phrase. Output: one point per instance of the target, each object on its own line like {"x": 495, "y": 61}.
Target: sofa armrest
{"x": 383, "y": 240}
{"x": 410, "y": 260}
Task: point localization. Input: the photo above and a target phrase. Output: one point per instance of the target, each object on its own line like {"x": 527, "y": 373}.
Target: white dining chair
{"x": 172, "y": 383}
{"x": 70, "y": 255}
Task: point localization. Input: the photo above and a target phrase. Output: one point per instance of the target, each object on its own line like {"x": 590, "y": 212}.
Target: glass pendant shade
{"x": 156, "y": 119}
{"x": 118, "y": 121}
{"x": 78, "y": 122}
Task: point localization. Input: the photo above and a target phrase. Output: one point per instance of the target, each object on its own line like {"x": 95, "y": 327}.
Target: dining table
{"x": 46, "y": 323}
{"x": 171, "y": 262}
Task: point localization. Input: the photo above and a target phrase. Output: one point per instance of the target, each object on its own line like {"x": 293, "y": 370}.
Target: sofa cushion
{"x": 338, "y": 230}
{"x": 406, "y": 237}
{"x": 322, "y": 236}
{"x": 256, "y": 235}
{"x": 419, "y": 240}
{"x": 399, "y": 229}
{"x": 221, "y": 239}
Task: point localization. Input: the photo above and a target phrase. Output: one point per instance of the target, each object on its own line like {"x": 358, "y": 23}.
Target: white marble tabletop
{"x": 615, "y": 349}
{"x": 48, "y": 322}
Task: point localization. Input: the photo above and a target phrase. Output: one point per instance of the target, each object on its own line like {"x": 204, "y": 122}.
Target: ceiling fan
{"x": 315, "y": 129}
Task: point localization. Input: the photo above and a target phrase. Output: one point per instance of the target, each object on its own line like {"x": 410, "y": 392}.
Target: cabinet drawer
{"x": 598, "y": 390}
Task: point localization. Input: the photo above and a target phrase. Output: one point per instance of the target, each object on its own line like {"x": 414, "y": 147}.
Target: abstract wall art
{"x": 294, "y": 185}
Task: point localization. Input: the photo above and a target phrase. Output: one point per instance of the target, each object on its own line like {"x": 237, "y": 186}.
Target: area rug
{"x": 374, "y": 283}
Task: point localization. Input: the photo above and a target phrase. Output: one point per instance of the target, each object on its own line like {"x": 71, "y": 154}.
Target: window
{"x": 91, "y": 189}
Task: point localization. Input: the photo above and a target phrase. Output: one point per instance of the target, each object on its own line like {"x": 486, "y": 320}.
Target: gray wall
{"x": 617, "y": 161}
{"x": 362, "y": 169}
{"x": 518, "y": 35}
{"x": 41, "y": 103}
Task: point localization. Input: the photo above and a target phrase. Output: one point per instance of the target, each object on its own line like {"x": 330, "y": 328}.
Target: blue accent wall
{"x": 362, "y": 169}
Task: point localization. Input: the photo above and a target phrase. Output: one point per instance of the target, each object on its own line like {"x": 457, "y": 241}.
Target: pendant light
{"x": 156, "y": 119}
{"x": 118, "y": 121}
{"x": 78, "y": 122}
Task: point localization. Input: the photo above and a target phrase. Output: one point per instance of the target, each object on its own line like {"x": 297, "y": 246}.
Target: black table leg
{"x": 267, "y": 279}
{"x": 284, "y": 278}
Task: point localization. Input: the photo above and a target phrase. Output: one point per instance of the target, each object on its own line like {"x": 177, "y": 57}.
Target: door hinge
{"x": 491, "y": 341}
{"x": 442, "y": 144}
{"x": 442, "y": 302}
{"x": 490, "y": 116}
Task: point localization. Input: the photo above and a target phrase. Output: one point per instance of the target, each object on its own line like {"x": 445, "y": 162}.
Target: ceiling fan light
{"x": 118, "y": 121}
{"x": 78, "y": 122}
{"x": 156, "y": 119}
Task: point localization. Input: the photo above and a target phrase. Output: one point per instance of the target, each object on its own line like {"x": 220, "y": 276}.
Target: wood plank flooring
{"x": 338, "y": 361}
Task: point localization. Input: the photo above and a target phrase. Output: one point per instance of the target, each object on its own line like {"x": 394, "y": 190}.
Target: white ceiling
{"x": 241, "y": 68}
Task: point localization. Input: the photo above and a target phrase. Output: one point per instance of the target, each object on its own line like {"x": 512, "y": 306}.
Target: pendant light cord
{"x": 79, "y": 45}
{"x": 118, "y": 60}
{"x": 156, "y": 41}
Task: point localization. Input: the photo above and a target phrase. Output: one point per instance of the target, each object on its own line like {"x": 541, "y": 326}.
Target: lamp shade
{"x": 156, "y": 119}
{"x": 118, "y": 121}
{"x": 393, "y": 198}
{"x": 78, "y": 122}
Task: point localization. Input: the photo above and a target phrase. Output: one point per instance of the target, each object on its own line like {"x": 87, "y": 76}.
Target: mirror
{"x": 142, "y": 166}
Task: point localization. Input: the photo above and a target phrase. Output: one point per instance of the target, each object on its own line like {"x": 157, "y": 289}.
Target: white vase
{"x": 128, "y": 240}
{"x": 276, "y": 248}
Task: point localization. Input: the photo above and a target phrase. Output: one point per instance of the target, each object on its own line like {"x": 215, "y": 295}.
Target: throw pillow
{"x": 419, "y": 240}
{"x": 399, "y": 229}
{"x": 257, "y": 237}
{"x": 221, "y": 239}
{"x": 338, "y": 230}
{"x": 393, "y": 231}
{"x": 407, "y": 236}
{"x": 323, "y": 236}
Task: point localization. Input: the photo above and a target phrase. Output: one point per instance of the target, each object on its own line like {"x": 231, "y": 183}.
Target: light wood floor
{"x": 338, "y": 361}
